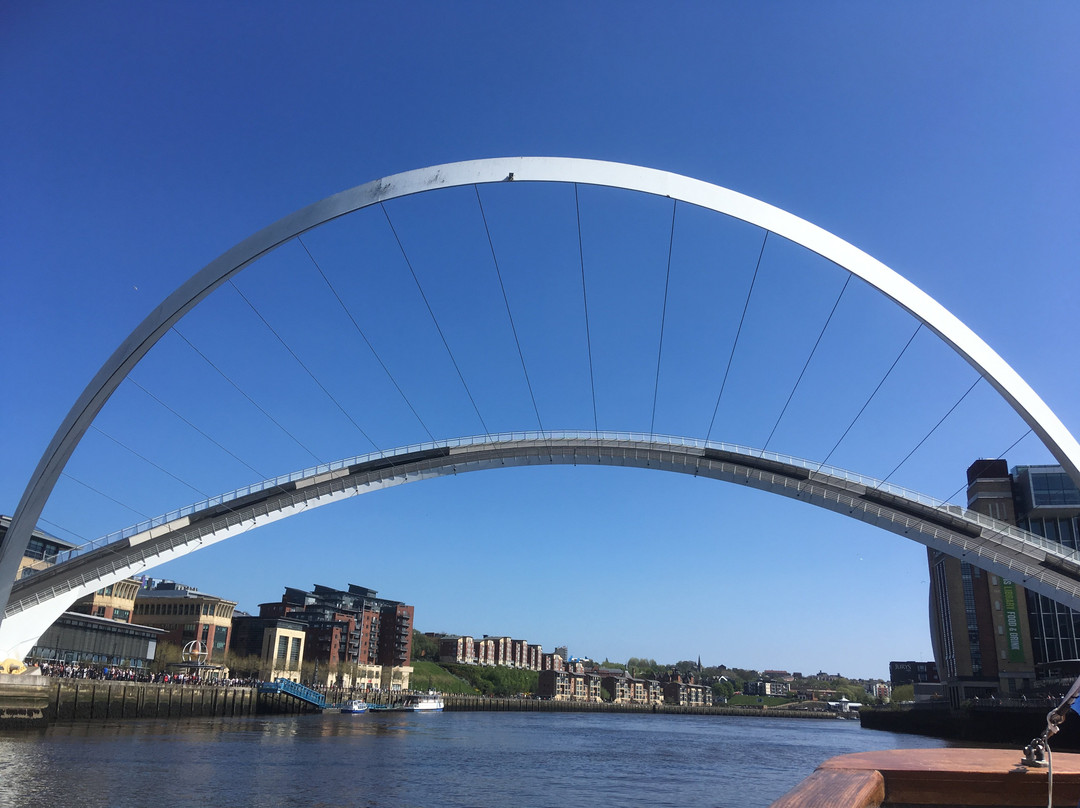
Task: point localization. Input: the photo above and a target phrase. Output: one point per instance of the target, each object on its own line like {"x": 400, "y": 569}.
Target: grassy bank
{"x": 430, "y": 676}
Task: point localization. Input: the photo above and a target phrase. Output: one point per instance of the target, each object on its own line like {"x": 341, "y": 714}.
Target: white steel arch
{"x": 962, "y": 339}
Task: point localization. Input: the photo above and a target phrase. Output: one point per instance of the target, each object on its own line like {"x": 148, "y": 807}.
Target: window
{"x": 221, "y": 639}
{"x": 1053, "y": 488}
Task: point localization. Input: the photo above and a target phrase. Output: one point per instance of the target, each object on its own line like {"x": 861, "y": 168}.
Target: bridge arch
{"x": 952, "y": 331}
{"x": 1028, "y": 559}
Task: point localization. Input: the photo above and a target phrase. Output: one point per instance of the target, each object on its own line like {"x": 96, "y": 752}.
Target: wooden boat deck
{"x": 903, "y": 778}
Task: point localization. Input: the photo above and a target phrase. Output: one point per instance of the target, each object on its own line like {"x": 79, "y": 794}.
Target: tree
{"x": 723, "y": 689}
{"x": 249, "y": 666}
{"x": 166, "y": 654}
{"x": 424, "y": 647}
{"x": 902, "y": 693}
{"x": 643, "y": 668}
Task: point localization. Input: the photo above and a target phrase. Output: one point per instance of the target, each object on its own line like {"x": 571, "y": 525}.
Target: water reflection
{"x": 399, "y": 760}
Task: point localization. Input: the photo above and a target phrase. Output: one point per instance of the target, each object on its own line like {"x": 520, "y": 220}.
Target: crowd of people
{"x": 72, "y": 670}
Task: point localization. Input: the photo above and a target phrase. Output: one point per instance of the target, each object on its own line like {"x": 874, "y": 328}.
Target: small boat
{"x": 354, "y": 706}
{"x": 427, "y": 703}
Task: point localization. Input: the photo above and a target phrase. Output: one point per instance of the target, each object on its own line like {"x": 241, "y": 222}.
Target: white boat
{"x": 431, "y": 702}
{"x": 354, "y": 706}
{"x": 413, "y": 703}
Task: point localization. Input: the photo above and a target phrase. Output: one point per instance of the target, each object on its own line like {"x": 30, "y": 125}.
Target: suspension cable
{"x": 64, "y": 529}
{"x": 300, "y": 362}
{"x": 931, "y": 432}
{"x": 738, "y": 331}
{"x": 253, "y": 402}
{"x": 157, "y": 466}
{"x": 363, "y": 336}
{"x": 127, "y": 448}
{"x": 434, "y": 319}
{"x": 871, "y": 398}
{"x": 509, "y": 314}
{"x": 802, "y": 372}
{"x": 585, "y": 302}
{"x": 103, "y": 494}
{"x": 663, "y": 318}
{"x": 999, "y": 457}
{"x": 259, "y": 475}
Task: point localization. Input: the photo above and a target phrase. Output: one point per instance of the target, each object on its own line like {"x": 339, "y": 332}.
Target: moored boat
{"x": 413, "y": 703}
{"x": 430, "y": 702}
{"x": 354, "y": 706}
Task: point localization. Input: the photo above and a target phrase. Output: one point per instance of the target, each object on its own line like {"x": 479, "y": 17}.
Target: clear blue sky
{"x": 139, "y": 141}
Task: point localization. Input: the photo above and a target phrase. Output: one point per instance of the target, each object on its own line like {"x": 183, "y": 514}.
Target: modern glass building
{"x": 991, "y": 635}
{"x": 1048, "y": 504}
{"x": 89, "y": 640}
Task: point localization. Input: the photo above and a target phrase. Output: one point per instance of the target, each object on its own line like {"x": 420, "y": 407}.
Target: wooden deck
{"x": 935, "y": 777}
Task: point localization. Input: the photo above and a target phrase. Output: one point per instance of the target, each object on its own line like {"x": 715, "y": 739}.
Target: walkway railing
{"x": 554, "y": 437}
{"x": 295, "y": 690}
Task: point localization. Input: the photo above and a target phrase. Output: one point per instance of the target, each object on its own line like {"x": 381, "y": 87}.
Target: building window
{"x": 1053, "y": 488}
{"x": 967, "y": 573}
{"x": 282, "y": 648}
{"x": 942, "y": 597}
{"x": 221, "y": 639}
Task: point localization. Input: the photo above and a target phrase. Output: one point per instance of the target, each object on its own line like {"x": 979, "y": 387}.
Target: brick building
{"x": 186, "y": 615}
{"x": 113, "y": 602}
{"x": 358, "y": 637}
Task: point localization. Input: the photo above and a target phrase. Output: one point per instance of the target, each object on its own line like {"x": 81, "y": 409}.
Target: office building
{"x": 113, "y": 602}
{"x": 83, "y": 639}
{"x": 186, "y": 615}
{"x": 40, "y": 552}
{"x": 991, "y": 635}
{"x": 268, "y": 648}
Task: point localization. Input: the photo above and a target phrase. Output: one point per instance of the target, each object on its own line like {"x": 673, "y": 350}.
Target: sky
{"x": 139, "y": 142}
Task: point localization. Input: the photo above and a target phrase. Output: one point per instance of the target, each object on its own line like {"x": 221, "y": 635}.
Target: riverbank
{"x": 488, "y": 704}
{"x": 28, "y": 702}
{"x": 32, "y": 702}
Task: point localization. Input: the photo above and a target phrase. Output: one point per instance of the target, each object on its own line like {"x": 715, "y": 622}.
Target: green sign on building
{"x": 1012, "y": 621}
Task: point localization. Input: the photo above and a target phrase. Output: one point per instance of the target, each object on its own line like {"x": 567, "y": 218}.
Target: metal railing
{"x": 293, "y": 689}
{"x": 548, "y": 443}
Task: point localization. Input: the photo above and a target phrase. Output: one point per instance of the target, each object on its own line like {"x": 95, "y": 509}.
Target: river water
{"x": 404, "y": 760}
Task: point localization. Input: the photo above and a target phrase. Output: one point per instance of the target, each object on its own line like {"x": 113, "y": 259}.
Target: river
{"x": 403, "y": 760}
